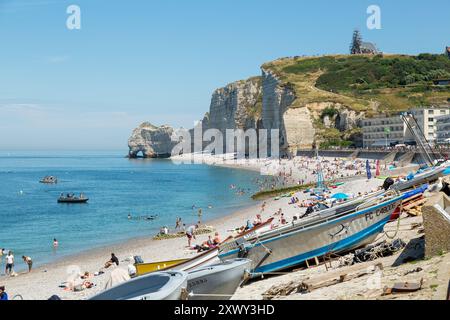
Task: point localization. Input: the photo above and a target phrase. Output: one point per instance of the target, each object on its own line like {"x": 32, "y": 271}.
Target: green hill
{"x": 364, "y": 83}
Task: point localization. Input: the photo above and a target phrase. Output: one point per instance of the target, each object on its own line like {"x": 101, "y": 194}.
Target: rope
{"x": 397, "y": 229}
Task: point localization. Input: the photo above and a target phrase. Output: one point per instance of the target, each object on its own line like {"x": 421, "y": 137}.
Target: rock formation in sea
{"x": 150, "y": 141}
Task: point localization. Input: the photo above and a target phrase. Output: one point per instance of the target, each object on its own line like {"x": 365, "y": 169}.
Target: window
{"x": 430, "y": 111}
{"x": 430, "y": 119}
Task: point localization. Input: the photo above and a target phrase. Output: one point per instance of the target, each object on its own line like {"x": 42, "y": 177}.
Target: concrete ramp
{"x": 389, "y": 158}
{"x": 355, "y": 154}
{"x": 406, "y": 159}
{"x": 436, "y": 221}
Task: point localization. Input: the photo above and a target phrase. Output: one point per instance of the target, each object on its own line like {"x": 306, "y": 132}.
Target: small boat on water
{"x": 49, "y": 180}
{"x": 71, "y": 198}
{"x": 167, "y": 285}
{"x": 217, "y": 281}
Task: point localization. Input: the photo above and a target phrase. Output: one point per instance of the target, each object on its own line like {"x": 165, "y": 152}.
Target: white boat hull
{"x": 218, "y": 281}
{"x": 154, "y": 286}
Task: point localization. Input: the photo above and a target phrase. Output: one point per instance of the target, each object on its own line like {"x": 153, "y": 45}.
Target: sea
{"x": 30, "y": 217}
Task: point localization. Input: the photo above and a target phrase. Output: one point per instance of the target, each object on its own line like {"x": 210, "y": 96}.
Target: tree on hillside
{"x": 355, "y": 47}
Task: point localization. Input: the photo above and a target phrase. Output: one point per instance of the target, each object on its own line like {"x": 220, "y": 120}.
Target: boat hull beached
{"x": 217, "y": 281}
{"x": 144, "y": 268}
{"x": 427, "y": 176}
{"x": 203, "y": 259}
{"x": 166, "y": 285}
{"x": 288, "y": 247}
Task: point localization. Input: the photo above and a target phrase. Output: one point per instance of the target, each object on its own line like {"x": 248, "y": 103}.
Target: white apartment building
{"x": 427, "y": 118}
{"x": 443, "y": 129}
{"x": 382, "y": 131}
{"x": 387, "y": 131}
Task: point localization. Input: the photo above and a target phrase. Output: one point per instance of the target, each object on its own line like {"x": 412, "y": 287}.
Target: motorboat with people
{"x": 49, "y": 180}
{"x": 72, "y": 198}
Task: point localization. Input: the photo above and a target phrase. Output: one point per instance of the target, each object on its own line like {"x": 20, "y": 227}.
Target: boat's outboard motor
{"x": 388, "y": 183}
{"x": 243, "y": 251}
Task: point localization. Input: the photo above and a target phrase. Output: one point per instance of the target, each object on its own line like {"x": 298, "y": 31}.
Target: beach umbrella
{"x": 369, "y": 174}
{"x": 377, "y": 173}
{"x": 340, "y": 196}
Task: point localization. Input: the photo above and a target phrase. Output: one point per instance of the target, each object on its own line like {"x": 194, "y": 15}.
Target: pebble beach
{"x": 50, "y": 279}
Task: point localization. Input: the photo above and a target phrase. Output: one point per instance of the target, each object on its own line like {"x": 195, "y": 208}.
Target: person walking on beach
{"x": 9, "y": 263}
{"x": 190, "y": 233}
{"x": 178, "y": 223}
{"x": 28, "y": 261}
{"x": 263, "y": 206}
{"x": 3, "y": 294}
{"x": 200, "y": 216}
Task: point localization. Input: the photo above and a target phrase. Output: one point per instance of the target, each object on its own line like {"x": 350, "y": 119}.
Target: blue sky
{"x": 160, "y": 60}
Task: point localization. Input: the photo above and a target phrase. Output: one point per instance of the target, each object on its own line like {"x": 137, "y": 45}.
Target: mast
{"x": 320, "y": 180}
{"x": 413, "y": 126}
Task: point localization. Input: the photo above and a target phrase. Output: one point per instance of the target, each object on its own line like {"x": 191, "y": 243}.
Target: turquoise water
{"x": 30, "y": 216}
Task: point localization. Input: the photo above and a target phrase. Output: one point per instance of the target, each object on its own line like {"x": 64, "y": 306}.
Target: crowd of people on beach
{"x": 295, "y": 171}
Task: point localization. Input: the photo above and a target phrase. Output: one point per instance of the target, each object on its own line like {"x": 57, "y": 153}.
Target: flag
{"x": 369, "y": 174}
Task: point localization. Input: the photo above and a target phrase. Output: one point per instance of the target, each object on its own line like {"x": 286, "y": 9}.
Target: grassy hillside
{"x": 373, "y": 84}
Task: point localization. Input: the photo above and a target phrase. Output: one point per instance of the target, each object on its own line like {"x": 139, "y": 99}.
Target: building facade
{"x": 382, "y": 131}
{"x": 443, "y": 129}
{"x": 426, "y": 118}
{"x": 388, "y": 131}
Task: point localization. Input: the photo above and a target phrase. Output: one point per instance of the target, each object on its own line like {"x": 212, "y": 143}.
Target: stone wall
{"x": 436, "y": 225}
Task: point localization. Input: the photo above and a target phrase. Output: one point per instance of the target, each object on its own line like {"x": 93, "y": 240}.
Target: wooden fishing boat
{"x": 314, "y": 237}
{"x": 427, "y": 176}
{"x": 154, "y": 286}
{"x": 348, "y": 206}
{"x": 204, "y": 258}
{"x": 144, "y": 268}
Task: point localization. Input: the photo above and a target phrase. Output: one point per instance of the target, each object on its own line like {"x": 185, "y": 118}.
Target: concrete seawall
{"x": 364, "y": 154}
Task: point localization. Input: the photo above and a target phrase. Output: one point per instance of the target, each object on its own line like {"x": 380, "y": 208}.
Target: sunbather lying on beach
{"x": 206, "y": 245}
